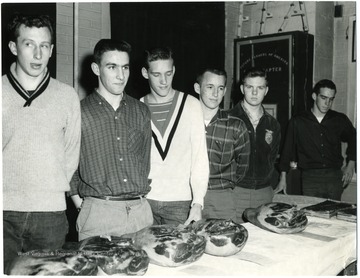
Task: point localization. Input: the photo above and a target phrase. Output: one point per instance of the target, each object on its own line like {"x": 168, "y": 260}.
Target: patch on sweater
{"x": 269, "y": 136}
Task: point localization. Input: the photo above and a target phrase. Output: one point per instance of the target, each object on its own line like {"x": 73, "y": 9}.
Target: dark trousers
{"x": 250, "y": 198}
{"x": 26, "y": 231}
{"x": 323, "y": 183}
{"x": 219, "y": 204}
{"x": 172, "y": 212}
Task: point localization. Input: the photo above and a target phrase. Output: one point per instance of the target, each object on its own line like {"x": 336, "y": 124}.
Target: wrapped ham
{"x": 278, "y": 217}
{"x": 57, "y": 262}
{"x": 92, "y": 256}
{"x": 168, "y": 245}
{"x": 115, "y": 255}
{"x": 223, "y": 237}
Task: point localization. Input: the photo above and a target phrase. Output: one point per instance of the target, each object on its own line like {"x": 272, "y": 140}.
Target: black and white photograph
{"x": 178, "y": 138}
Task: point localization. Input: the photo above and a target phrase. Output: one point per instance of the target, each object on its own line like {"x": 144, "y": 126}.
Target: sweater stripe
{"x": 163, "y": 153}
{"x": 24, "y": 93}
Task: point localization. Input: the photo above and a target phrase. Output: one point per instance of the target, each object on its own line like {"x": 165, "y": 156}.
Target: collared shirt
{"x": 115, "y": 149}
{"x": 317, "y": 145}
{"x": 228, "y": 147}
{"x": 264, "y": 148}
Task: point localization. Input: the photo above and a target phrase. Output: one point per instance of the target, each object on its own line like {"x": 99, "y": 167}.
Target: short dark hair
{"x": 105, "y": 45}
{"x": 37, "y": 21}
{"x": 254, "y": 72}
{"x": 324, "y": 83}
{"x": 157, "y": 53}
{"x": 216, "y": 71}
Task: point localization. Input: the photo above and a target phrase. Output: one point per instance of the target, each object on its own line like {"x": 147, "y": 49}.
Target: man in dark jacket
{"x": 317, "y": 136}
{"x": 265, "y": 134}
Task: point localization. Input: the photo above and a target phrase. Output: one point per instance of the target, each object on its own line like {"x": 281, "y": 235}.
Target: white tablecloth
{"x": 325, "y": 247}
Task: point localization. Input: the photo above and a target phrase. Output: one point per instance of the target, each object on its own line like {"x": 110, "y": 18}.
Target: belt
{"x": 117, "y": 198}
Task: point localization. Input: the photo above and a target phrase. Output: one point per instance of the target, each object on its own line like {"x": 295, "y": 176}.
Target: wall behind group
{"x": 332, "y": 33}
{"x": 81, "y": 25}
{"x": 334, "y": 46}
{"x": 332, "y": 51}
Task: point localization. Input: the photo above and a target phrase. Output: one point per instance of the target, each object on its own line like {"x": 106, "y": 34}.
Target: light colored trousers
{"x": 112, "y": 218}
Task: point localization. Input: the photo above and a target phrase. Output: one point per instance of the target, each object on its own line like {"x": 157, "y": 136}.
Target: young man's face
{"x": 324, "y": 100}
{"x": 160, "y": 75}
{"x": 32, "y": 49}
{"x": 212, "y": 89}
{"x": 254, "y": 90}
{"x": 113, "y": 72}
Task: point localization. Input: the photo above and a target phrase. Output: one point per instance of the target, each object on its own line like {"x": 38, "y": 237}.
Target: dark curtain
{"x": 7, "y": 11}
{"x": 195, "y": 32}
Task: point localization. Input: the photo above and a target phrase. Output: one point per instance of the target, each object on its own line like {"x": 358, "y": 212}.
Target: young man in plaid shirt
{"x": 110, "y": 186}
{"x": 227, "y": 143}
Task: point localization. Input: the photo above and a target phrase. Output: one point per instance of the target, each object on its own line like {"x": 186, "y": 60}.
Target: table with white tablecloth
{"x": 325, "y": 247}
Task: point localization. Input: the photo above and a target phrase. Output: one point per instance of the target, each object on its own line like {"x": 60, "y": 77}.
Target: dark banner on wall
{"x": 194, "y": 30}
{"x": 287, "y": 58}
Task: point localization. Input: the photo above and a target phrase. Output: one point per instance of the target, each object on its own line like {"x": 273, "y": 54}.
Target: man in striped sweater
{"x": 179, "y": 161}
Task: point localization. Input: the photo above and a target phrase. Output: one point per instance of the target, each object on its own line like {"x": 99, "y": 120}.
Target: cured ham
{"x": 168, "y": 245}
{"x": 58, "y": 262}
{"x": 115, "y": 255}
{"x": 223, "y": 237}
{"x": 92, "y": 256}
{"x": 278, "y": 217}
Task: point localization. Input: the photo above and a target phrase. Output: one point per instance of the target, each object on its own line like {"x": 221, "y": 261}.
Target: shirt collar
{"x": 101, "y": 99}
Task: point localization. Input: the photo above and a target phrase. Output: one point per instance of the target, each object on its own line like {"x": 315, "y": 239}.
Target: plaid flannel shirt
{"x": 228, "y": 147}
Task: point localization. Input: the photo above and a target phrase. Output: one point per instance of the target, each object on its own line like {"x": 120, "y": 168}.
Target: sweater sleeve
{"x": 72, "y": 138}
{"x": 199, "y": 157}
{"x": 74, "y": 184}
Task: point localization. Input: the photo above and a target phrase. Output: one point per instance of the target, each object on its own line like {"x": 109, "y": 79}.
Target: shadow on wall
{"x": 88, "y": 81}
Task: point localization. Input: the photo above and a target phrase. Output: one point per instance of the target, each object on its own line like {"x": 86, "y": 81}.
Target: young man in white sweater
{"x": 41, "y": 142}
{"x": 179, "y": 161}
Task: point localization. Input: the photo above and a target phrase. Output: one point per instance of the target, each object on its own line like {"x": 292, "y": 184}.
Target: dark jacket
{"x": 264, "y": 148}
{"x": 317, "y": 145}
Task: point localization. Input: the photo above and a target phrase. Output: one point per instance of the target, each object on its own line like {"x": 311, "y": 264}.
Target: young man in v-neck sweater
{"x": 41, "y": 142}
{"x": 179, "y": 162}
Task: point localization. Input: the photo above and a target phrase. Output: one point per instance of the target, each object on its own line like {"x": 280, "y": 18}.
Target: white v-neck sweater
{"x": 182, "y": 173}
{"x": 41, "y": 146}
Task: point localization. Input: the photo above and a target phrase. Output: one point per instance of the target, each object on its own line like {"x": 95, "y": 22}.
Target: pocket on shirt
{"x": 135, "y": 140}
{"x": 223, "y": 150}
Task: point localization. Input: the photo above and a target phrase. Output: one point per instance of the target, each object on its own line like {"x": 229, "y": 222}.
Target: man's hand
{"x": 77, "y": 201}
{"x": 282, "y": 184}
{"x": 194, "y": 215}
{"x": 348, "y": 173}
